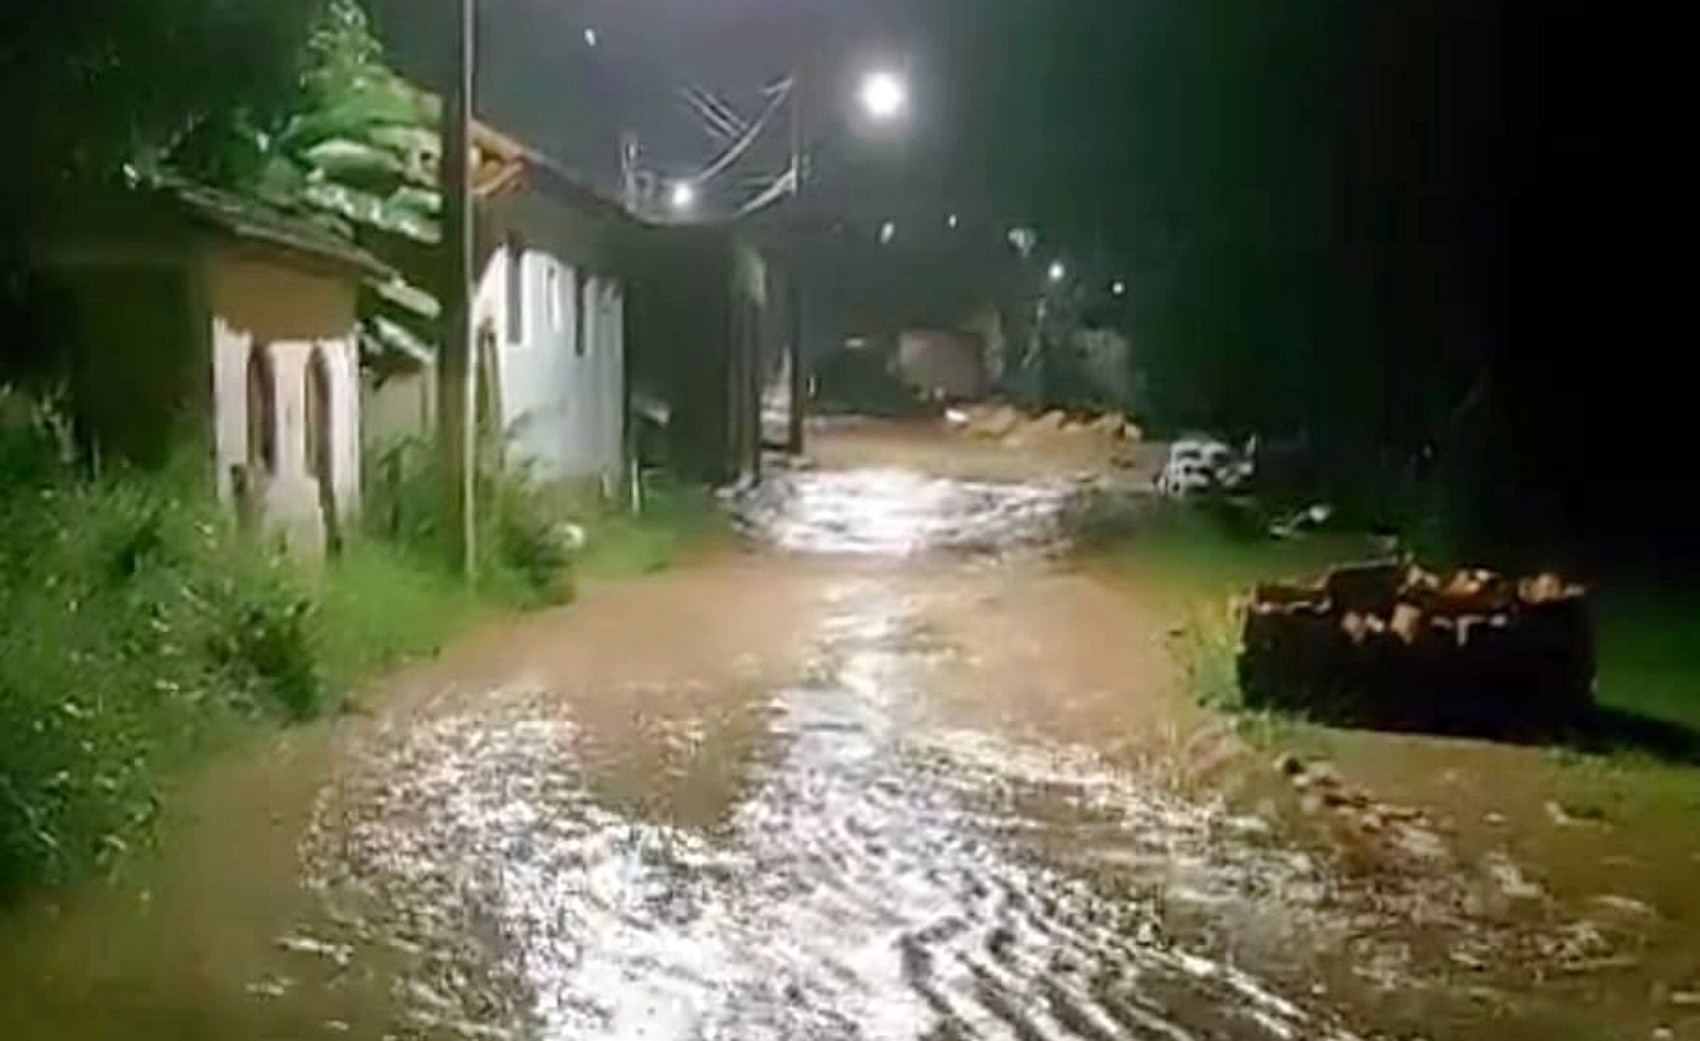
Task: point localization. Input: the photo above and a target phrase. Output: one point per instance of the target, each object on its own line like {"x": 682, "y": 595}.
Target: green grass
{"x": 1649, "y": 646}
{"x": 620, "y": 544}
{"x": 1188, "y": 557}
{"x": 1189, "y": 563}
{"x": 139, "y": 632}
{"x": 377, "y": 607}
{"x": 524, "y": 553}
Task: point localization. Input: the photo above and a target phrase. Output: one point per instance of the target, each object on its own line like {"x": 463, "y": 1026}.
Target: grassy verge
{"x": 142, "y": 630}
{"x": 1648, "y": 642}
{"x": 1650, "y": 656}
{"x": 620, "y": 544}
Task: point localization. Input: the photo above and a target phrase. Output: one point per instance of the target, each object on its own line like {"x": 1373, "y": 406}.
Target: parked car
{"x": 1199, "y": 464}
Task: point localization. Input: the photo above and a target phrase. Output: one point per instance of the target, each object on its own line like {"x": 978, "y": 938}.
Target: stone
{"x": 1624, "y": 906}
{"x": 1051, "y": 421}
{"x": 1341, "y": 797}
{"x": 1510, "y": 878}
{"x": 1324, "y": 776}
{"x": 1565, "y": 819}
{"x": 1420, "y": 843}
{"x": 1467, "y": 960}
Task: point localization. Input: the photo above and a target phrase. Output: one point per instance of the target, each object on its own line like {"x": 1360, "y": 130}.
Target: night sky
{"x": 1019, "y": 112}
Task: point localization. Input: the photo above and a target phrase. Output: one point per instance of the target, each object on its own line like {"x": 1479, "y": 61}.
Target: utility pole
{"x": 799, "y": 379}
{"x": 799, "y": 169}
{"x": 455, "y": 365}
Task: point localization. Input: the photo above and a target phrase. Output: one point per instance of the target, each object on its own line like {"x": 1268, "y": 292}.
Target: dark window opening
{"x": 581, "y": 304}
{"x": 516, "y": 290}
{"x": 262, "y": 411}
{"x": 318, "y": 426}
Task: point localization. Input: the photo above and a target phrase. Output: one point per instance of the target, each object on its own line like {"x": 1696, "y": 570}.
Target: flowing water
{"x": 821, "y": 852}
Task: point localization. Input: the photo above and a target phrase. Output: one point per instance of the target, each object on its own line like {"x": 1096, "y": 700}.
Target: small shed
{"x": 196, "y": 320}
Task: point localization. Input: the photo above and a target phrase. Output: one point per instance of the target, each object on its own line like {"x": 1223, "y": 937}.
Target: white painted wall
{"x": 562, "y": 407}
{"x": 289, "y": 499}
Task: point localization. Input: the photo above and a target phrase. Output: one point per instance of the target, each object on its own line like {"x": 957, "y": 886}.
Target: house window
{"x": 581, "y": 304}
{"x": 262, "y": 411}
{"x": 516, "y": 291}
{"x": 552, "y": 296}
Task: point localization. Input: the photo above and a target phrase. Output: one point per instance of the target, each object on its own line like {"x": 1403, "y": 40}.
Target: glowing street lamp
{"x": 1057, "y": 272}
{"x": 683, "y": 198}
{"x": 1118, "y": 288}
{"x": 884, "y": 95}
{"x": 888, "y": 231}
{"x": 951, "y": 221}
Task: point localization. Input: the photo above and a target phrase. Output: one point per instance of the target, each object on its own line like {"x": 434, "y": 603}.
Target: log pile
{"x": 1391, "y": 645}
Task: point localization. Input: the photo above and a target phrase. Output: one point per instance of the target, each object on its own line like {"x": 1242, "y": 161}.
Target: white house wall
{"x": 562, "y": 410}
{"x": 289, "y": 501}
{"x": 230, "y": 347}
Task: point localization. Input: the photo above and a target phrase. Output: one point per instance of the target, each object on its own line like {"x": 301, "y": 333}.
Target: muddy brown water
{"x": 896, "y": 772}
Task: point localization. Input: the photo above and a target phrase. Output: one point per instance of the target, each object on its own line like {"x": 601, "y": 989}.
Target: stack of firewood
{"x": 1394, "y": 645}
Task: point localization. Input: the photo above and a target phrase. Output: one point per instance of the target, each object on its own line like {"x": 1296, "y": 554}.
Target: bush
{"x": 115, "y": 596}
{"x": 529, "y": 532}
{"x": 142, "y": 629}
{"x": 379, "y": 606}
{"x": 525, "y": 553}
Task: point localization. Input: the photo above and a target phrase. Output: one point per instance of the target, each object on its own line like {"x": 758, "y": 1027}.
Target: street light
{"x": 1058, "y": 271}
{"x": 589, "y": 37}
{"x": 884, "y": 94}
{"x": 951, "y": 221}
{"x": 888, "y": 231}
{"x": 683, "y": 197}
{"x": 1118, "y": 288}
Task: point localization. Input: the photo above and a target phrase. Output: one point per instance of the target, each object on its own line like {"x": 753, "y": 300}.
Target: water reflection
{"x": 870, "y": 884}
{"x": 897, "y": 513}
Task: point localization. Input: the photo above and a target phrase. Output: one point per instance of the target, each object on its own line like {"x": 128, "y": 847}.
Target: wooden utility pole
{"x": 799, "y": 382}
{"x": 455, "y": 365}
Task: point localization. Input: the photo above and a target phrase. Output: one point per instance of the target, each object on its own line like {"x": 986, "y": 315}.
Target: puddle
{"x": 897, "y": 513}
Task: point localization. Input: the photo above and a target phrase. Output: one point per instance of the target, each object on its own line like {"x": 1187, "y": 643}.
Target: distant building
{"x": 197, "y": 319}
{"x": 944, "y": 363}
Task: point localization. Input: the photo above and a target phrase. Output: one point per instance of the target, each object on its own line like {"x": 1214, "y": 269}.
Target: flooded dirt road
{"x": 898, "y": 771}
